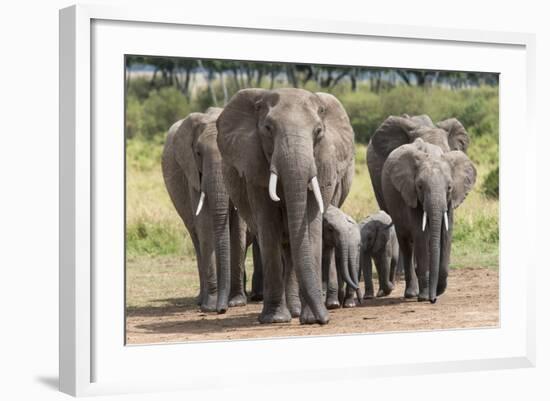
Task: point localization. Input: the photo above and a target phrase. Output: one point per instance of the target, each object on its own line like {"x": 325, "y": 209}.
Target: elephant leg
{"x": 422, "y": 268}
{"x": 406, "y": 253}
{"x": 315, "y": 234}
{"x": 202, "y": 285}
{"x": 393, "y": 268}
{"x": 269, "y": 221}
{"x": 341, "y": 287}
{"x": 330, "y": 278}
{"x": 257, "y": 293}
{"x": 292, "y": 291}
{"x": 365, "y": 261}
{"x": 349, "y": 299}
{"x": 237, "y": 295}
{"x": 383, "y": 268}
{"x": 274, "y": 308}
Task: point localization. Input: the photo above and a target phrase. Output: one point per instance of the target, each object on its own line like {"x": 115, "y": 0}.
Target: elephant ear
{"x": 238, "y": 137}
{"x": 394, "y": 132}
{"x": 184, "y": 146}
{"x": 337, "y": 145}
{"x": 401, "y": 166}
{"x": 463, "y": 173}
{"x": 458, "y": 138}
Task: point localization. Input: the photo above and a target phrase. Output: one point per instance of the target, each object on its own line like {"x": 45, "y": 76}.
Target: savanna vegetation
{"x": 161, "y": 91}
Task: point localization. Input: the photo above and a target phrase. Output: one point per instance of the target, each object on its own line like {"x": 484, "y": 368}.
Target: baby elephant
{"x": 341, "y": 244}
{"x": 379, "y": 242}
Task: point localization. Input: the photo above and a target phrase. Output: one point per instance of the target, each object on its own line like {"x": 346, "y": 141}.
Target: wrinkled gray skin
{"x": 420, "y": 178}
{"x": 296, "y": 135}
{"x": 191, "y": 164}
{"x": 448, "y": 135}
{"x": 341, "y": 236}
{"x": 379, "y": 243}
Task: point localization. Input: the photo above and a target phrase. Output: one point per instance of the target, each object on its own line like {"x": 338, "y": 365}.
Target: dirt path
{"x": 471, "y": 300}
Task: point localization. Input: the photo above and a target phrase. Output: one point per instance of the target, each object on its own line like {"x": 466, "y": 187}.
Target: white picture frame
{"x": 93, "y": 361}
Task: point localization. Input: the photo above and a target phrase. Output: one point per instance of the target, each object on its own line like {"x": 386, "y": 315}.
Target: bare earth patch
{"x": 471, "y": 300}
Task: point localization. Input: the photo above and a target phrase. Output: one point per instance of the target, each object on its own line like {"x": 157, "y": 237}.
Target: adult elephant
{"x": 421, "y": 186}
{"x": 192, "y": 170}
{"x": 448, "y": 135}
{"x": 395, "y": 131}
{"x": 287, "y": 153}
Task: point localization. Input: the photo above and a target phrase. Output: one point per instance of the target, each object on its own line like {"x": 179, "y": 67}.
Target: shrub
{"x": 490, "y": 185}
{"x": 141, "y": 87}
{"x": 161, "y": 109}
{"x": 365, "y": 113}
{"x": 134, "y": 112}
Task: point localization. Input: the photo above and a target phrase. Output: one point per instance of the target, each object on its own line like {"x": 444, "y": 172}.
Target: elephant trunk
{"x": 218, "y": 201}
{"x": 435, "y": 221}
{"x": 344, "y": 264}
{"x": 354, "y": 269}
{"x": 295, "y": 163}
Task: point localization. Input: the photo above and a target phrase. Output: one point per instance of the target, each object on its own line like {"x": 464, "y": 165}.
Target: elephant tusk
{"x": 317, "y": 193}
{"x": 201, "y": 202}
{"x": 446, "y": 220}
{"x": 273, "y": 188}
{"x": 424, "y": 220}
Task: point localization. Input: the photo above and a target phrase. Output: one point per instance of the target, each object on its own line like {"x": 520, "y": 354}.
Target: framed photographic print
{"x": 289, "y": 191}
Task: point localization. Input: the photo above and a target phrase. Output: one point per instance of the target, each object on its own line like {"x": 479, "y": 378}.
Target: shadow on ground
{"x": 205, "y": 323}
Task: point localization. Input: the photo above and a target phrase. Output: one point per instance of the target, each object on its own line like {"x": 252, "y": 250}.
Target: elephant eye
{"x": 268, "y": 127}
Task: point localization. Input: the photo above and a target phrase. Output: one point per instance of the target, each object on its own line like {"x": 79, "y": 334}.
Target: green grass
{"x": 154, "y": 228}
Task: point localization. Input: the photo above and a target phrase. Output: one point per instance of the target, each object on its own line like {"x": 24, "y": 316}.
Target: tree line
{"x": 180, "y": 73}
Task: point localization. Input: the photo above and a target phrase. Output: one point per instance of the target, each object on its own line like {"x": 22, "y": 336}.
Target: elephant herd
{"x": 272, "y": 168}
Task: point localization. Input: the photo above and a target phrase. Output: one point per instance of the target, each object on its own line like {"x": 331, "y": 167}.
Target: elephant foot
{"x": 423, "y": 296}
{"x": 307, "y": 316}
{"x": 368, "y": 295}
{"x": 209, "y": 303}
{"x": 237, "y": 300}
{"x": 341, "y": 296}
{"x": 256, "y": 297}
{"x": 441, "y": 287}
{"x": 411, "y": 292}
{"x": 274, "y": 315}
{"x": 294, "y": 307}
{"x": 332, "y": 299}
{"x": 350, "y": 302}
{"x": 384, "y": 292}
{"x": 332, "y": 302}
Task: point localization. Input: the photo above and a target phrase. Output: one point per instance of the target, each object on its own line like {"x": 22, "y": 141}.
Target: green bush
{"x": 490, "y": 185}
{"x": 134, "y": 111}
{"x": 140, "y": 87}
{"x": 365, "y": 113}
{"x": 161, "y": 109}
